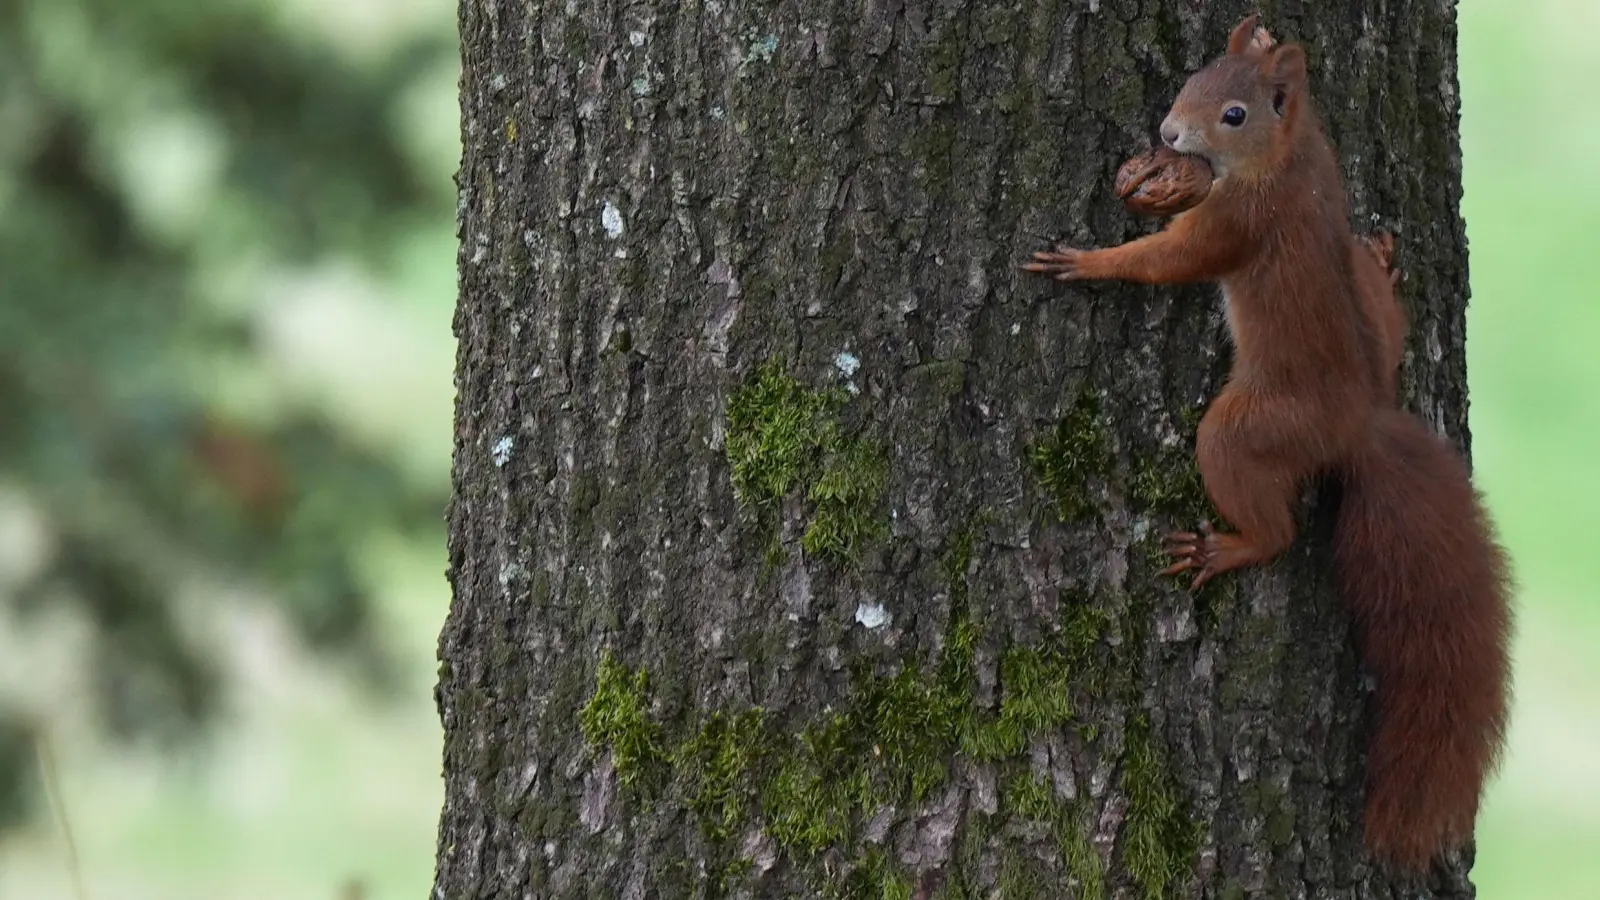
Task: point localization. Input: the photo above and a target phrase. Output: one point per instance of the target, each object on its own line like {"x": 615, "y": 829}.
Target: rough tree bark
{"x": 802, "y": 546}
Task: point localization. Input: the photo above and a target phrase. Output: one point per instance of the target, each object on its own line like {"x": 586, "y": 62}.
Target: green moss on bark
{"x": 891, "y": 743}
{"x": 1159, "y": 840}
{"x": 1022, "y": 878}
{"x": 777, "y": 431}
{"x": 873, "y": 877}
{"x": 822, "y": 787}
{"x": 617, "y": 718}
{"x": 1076, "y": 450}
{"x": 847, "y": 496}
{"x": 719, "y": 764}
{"x": 784, "y": 437}
{"x": 1035, "y": 800}
{"x": 1036, "y": 696}
{"x": 1169, "y": 483}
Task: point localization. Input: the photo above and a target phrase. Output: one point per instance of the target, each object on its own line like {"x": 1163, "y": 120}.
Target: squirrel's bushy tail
{"x": 1427, "y": 587}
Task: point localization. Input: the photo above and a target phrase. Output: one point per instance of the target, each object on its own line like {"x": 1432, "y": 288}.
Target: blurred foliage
{"x": 155, "y": 155}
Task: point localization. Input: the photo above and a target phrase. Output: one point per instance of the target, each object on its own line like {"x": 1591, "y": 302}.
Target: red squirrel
{"x": 1317, "y": 337}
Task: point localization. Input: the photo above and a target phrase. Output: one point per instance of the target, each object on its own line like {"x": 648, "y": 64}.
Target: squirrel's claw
{"x": 1182, "y": 565}
{"x": 1381, "y": 245}
{"x": 1194, "y": 551}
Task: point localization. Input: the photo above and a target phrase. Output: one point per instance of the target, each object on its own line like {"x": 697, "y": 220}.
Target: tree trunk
{"x": 802, "y": 546}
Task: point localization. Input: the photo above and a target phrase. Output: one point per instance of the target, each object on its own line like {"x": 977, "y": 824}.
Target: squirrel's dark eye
{"x": 1233, "y": 116}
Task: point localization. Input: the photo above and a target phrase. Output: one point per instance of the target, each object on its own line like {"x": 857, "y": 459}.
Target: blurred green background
{"x": 227, "y": 249}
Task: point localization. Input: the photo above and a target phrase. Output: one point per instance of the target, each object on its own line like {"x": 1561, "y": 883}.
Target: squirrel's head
{"x": 1239, "y": 112}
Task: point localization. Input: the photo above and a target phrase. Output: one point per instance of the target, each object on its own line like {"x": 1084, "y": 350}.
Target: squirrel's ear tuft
{"x": 1262, "y": 41}
{"x": 1243, "y": 34}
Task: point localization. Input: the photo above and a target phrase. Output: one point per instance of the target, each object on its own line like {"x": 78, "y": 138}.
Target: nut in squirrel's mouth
{"x": 1163, "y": 182}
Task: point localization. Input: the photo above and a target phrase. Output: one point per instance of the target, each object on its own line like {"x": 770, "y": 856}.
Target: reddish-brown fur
{"x": 1377, "y": 279}
{"x": 1318, "y": 336}
{"x": 1426, "y": 584}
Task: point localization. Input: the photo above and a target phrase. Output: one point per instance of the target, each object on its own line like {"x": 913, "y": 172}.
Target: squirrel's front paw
{"x": 1063, "y": 263}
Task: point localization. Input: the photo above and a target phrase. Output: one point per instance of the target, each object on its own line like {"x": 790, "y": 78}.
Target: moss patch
{"x": 733, "y": 874}
{"x": 1169, "y": 483}
{"x": 1074, "y": 451}
{"x": 955, "y": 564}
{"x": 1031, "y": 798}
{"x": 874, "y": 877}
{"x": 1037, "y": 697}
{"x": 777, "y": 430}
{"x": 891, "y": 742}
{"x": 617, "y": 717}
{"x": 1159, "y": 839}
{"x": 719, "y": 763}
{"x": 785, "y": 437}
{"x": 810, "y": 803}
{"x": 847, "y": 497}
{"x": 1093, "y": 663}
{"x": 1035, "y": 799}
{"x": 892, "y": 745}
{"x": 914, "y": 724}
{"x": 1023, "y": 878}
{"x": 1084, "y": 625}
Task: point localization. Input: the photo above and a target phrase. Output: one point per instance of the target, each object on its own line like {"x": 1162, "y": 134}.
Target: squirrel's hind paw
{"x": 1193, "y": 551}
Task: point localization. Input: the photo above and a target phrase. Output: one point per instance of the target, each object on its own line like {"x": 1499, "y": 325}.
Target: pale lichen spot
{"x": 764, "y": 49}
{"x": 872, "y": 615}
{"x": 510, "y": 572}
{"x": 502, "y": 450}
{"x": 636, "y": 38}
{"x": 611, "y": 220}
{"x": 847, "y": 363}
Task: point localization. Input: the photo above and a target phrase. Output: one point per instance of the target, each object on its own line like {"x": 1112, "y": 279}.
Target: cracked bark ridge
{"x": 800, "y": 545}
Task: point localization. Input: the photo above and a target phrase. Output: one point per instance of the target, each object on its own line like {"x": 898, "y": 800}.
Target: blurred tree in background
{"x": 165, "y": 166}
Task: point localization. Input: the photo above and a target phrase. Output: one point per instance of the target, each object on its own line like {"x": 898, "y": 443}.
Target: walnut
{"x": 1163, "y": 182}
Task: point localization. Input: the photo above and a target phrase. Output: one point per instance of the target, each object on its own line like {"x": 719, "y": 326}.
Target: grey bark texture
{"x": 801, "y": 545}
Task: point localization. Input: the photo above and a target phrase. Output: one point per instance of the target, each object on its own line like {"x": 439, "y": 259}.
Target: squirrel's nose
{"x": 1169, "y": 134}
